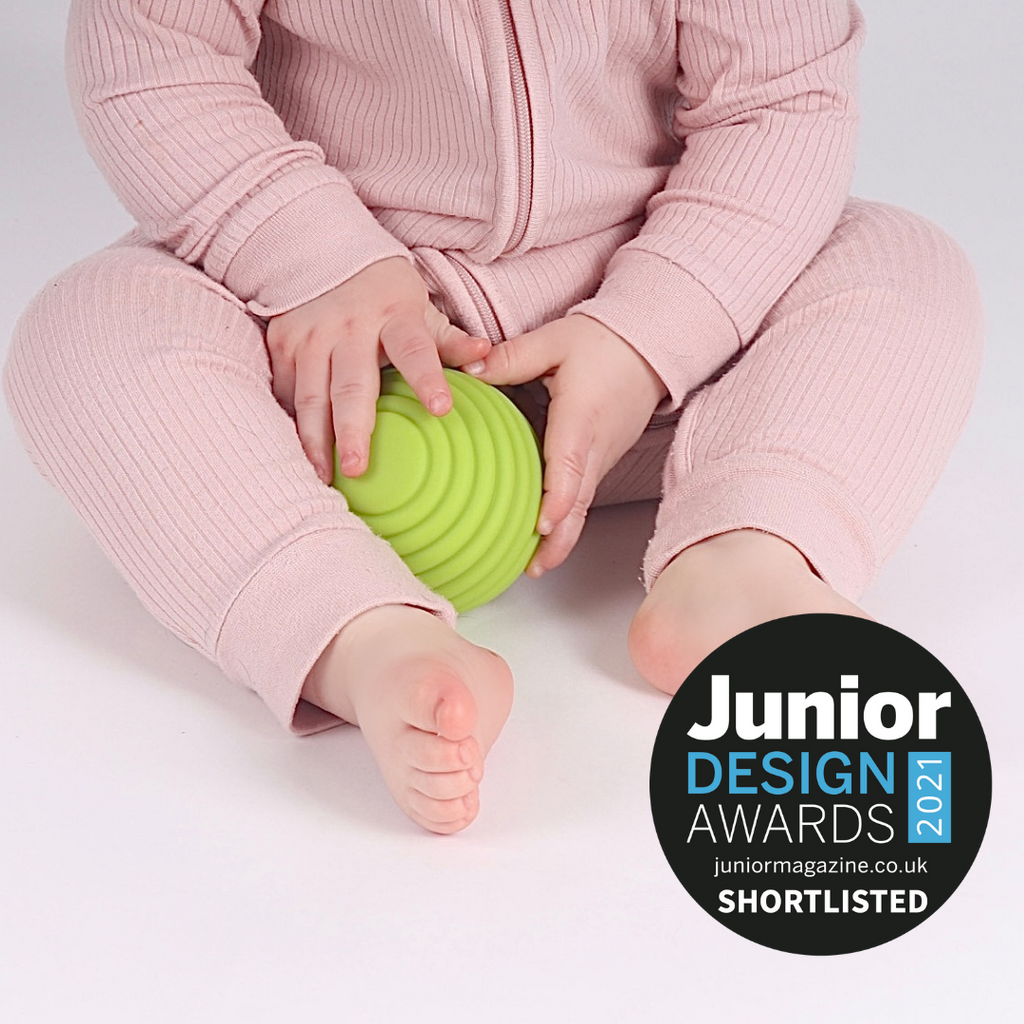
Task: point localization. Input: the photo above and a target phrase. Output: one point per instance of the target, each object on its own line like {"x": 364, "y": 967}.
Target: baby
{"x": 643, "y": 206}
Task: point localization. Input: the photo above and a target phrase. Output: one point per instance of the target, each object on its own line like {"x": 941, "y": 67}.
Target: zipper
{"x": 488, "y": 317}
{"x": 524, "y": 127}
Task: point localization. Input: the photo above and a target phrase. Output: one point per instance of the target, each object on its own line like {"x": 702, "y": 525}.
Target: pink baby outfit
{"x": 677, "y": 170}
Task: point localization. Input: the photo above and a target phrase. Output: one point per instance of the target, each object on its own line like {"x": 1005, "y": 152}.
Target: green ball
{"x": 456, "y": 496}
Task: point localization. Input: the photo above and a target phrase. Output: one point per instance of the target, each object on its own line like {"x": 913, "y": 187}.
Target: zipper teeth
{"x": 480, "y": 300}
{"x": 524, "y": 127}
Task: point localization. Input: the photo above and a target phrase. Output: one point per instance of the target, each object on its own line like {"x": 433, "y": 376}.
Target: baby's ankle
{"x": 716, "y": 589}
{"x": 746, "y": 549}
{"x": 331, "y": 680}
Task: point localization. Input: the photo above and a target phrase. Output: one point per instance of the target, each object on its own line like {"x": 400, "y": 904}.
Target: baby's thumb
{"x": 515, "y": 361}
{"x": 454, "y": 346}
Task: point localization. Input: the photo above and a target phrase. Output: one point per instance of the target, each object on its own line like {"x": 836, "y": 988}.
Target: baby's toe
{"x": 439, "y": 702}
{"x": 445, "y": 785}
{"x": 443, "y": 829}
{"x": 442, "y": 815}
{"x": 428, "y": 752}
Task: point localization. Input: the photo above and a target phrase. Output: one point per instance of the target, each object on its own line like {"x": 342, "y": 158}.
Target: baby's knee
{"x": 910, "y": 247}
{"x": 924, "y": 275}
{"x": 74, "y": 314}
{"x": 36, "y": 356}
{"x": 109, "y": 318}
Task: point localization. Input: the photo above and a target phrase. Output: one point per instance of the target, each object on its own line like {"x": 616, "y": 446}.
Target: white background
{"x": 168, "y": 853}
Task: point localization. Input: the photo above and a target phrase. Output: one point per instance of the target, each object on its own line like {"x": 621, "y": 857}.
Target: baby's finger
{"x": 413, "y": 353}
{"x": 556, "y": 547}
{"x": 457, "y": 348}
{"x": 354, "y": 387}
{"x": 518, "y": 360}
{"x": 282, "y": 369}
{"x": 568, "y": 442}
{"x": 313, "y": 411}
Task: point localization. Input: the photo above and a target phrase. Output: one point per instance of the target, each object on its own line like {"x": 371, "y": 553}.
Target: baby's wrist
{"x": 625, "y": 358}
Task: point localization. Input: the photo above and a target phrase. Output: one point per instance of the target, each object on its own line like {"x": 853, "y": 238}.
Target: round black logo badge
{"x": 820, "y": 784}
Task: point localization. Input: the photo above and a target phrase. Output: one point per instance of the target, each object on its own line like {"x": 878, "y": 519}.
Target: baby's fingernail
{"x": 438, "y": 405}
{"x": 535, "y": 572}
{"x": 545, "y": 526}
{"x": 474, "y": 368}
{"x": 350, "y": 462}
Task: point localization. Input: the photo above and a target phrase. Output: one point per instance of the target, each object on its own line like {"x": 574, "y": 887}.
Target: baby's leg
{"x": 141, "y": 389}
{"x": 429, "y": 703}
{"x": 716, "y": 589}
{"x": 793, "y": 477}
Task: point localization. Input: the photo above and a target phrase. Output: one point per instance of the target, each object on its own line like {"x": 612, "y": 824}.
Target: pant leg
{"x": 834, "y": 426}
{"x": 141, "y": 389}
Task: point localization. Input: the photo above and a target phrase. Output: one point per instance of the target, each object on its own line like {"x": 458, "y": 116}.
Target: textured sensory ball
{"x": 456, "y": 496}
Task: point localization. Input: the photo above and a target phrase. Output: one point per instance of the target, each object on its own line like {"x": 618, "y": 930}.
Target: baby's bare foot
{"x": 429, "y": 702}
{"x": 716, "y": 589}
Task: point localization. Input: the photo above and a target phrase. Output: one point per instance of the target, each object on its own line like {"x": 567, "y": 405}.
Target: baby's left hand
{"x": 603, "y": 393}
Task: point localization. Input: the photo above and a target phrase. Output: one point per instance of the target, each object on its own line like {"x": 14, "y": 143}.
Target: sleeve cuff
{"x": 299, "y": 600}
{"x": 668, "y": 316}
{"x": 298, "y": 238}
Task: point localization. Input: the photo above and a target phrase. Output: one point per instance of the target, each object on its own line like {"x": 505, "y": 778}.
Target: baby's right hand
{"x": 326, "y": 357}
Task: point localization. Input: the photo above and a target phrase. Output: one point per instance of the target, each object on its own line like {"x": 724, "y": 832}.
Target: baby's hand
{"x": 326, "y": 357}
{"x": 603, "y": 394}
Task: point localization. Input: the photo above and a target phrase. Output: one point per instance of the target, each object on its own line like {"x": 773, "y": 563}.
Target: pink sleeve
{"x": 177, "y": 123}
{"x": 768, "y": 120}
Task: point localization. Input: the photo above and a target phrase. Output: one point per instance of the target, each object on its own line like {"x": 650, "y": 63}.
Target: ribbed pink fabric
{"x": 677, "y": 170}
{"x": 142, "y": 390}
{"x": 834, "y": 426}
{"x": 409, "y": 109}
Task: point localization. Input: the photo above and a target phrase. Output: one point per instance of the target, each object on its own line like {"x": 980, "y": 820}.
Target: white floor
{"x": 168, "y": 854}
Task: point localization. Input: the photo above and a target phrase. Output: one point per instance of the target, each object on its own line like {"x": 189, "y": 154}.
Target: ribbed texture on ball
{"x": 456, "y": 496}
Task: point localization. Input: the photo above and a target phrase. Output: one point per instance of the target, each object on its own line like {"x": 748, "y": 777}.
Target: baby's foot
{"x": 716, "y": 589}
{"x": 429, "y": 703}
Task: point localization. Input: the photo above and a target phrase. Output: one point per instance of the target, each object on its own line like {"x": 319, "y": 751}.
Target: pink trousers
{"x": 141, "y": 389}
